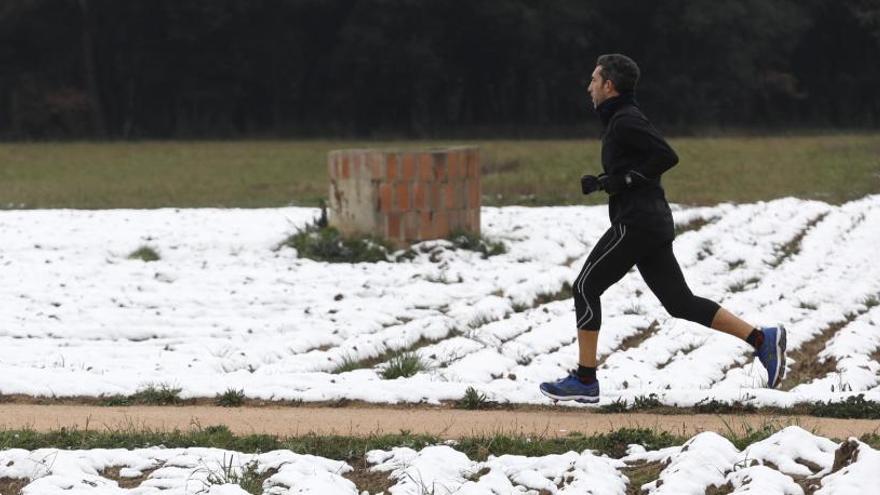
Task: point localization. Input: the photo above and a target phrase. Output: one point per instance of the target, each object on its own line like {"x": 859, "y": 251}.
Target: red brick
{"x": 471, "y": 165}
{"x": 441, "y": 224}
{"x": 420, "y": 191}
{"x": 473, "y": 199}
{"x": 385, "y": 198}
{"x": 409, "y": 167}
{"x": 374, "y": 164}
{"x": 436, "y": 196}
{"x": 473, "y": 220}
{"x": 411, "y": 226}
{"x": 357, "y": 161}
{"x": 452, "y": 164}
{"x": 454, "y": 217}
{"x": 346, "y": 170}
{"x": 391, "y": 164}
{"x": 449, "y": 195}
{"x": 392, "y": 224}
{"x": 401, "y": 193}
{"x": 425, "y": 164}
{"x": 426, "y": 227}
{"x": 440, "y": 166}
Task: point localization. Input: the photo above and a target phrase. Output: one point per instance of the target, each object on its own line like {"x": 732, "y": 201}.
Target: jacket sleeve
{"x": 639, "y": 134}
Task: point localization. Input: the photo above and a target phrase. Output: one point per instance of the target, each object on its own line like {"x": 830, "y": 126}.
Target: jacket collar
{"x": 609, "y": 107}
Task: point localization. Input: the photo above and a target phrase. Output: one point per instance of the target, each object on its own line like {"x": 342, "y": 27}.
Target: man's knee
{"x": 691, "y": 308}
{"x": 585, "y": 289}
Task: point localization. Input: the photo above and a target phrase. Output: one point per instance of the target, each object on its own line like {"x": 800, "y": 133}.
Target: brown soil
{"x": 635, "y": 340}
{"x": 12, "y": 486}
{"x": 360, "y": 420}
{"x": 112, "y": 473}
{"x": 807, "y": 366}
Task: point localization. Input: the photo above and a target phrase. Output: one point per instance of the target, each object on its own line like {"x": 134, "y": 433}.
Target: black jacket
{"x": 631, "y": 144}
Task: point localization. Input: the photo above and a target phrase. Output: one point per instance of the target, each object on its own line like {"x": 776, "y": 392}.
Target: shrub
{"x": 325, "y": 243}
{"x": 854, "y": 407}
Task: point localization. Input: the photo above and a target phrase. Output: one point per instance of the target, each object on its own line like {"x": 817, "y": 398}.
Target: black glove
{"x": 589, "y": 184}
{"x": 615, "y": 183}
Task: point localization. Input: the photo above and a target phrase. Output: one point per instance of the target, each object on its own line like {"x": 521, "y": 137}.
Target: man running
{"x": 634, "y": 156}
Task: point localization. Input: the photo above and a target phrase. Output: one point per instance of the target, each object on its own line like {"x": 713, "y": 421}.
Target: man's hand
{"x": 615, "y": 183}
{"x": 589, "y": 184}
{"x": 612, "y": 184}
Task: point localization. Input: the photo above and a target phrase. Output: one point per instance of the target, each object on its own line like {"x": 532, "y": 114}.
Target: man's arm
{"x": 639, "y": 134}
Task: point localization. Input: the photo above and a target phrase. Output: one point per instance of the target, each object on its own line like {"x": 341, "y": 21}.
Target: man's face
{"x": 600, "y": 88}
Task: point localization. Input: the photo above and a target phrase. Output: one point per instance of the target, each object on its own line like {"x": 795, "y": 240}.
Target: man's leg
{"x": 613, "y": 256}
{"x": 729, "y": 323}
{"x": 588, "y": 343}
{"x": 663, "y": 275}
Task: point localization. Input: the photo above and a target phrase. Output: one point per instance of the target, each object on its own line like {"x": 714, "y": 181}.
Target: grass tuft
{"x": 472, "y": 399}
{"x": 247, "y": 476}
{"x": 618, "y": 406}
{"x": 348, "y": 364}
{"x": 404, "y": 365}
{"x": 474, "y": 242}
{"x": 230, "y": 398}
{"x": 144, "y": 253}
{"x": 742, "y": 285}
{"x": 642, "y": 403}
{"x": 720, "y": 407}
{"x": 749, "y": 435}
{"x": 324, "y": 243}
{"x": 150, "y": 395}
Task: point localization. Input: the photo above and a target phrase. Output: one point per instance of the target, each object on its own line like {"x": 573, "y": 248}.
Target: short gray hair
{"x": 619, "y": 69}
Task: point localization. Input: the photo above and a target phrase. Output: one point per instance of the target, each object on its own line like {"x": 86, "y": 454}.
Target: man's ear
{"x": 609, "y": 85}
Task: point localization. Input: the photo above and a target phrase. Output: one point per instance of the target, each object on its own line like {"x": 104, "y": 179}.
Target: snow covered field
{"x": 783, "y": 464}
{"x": 224, "y": 309}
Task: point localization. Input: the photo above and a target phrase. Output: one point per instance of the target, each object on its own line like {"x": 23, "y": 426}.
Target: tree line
{"x": 137, "y": 69}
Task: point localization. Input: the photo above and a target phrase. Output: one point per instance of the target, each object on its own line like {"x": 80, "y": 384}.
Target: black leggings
{"x": 617, "y": 251}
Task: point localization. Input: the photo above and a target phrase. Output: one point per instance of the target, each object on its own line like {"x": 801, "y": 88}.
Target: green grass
{"x": 342, "y": 447}
{"x": 328, "y": 244}
{"x": 475, "y": 242}
{"x": 144, "y": 253}
{"x": 853, "y": 407}
{"x": 472, "y": 399}
{"x": 404, "y": 365}
{"x": 333, "y": 446}
{"x": 161, "y": 394}
{"x": 247, "y": 476}
{"x": 230, "y": 398}
{"x": 834, "y": 168}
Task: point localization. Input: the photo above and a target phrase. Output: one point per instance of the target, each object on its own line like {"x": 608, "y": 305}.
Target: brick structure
{"x": 405, "y": 196}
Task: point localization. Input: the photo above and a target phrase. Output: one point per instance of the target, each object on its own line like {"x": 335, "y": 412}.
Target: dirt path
{"x": 359, "y": 421}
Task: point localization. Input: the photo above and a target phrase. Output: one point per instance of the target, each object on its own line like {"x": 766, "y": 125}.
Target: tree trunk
{"x": 91, "y": 70}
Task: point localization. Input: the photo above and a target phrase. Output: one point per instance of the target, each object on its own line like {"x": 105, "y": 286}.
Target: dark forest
{"x": 160, "y": 69}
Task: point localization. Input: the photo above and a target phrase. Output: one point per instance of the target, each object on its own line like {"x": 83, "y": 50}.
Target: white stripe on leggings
{"x": 580, "y": 286}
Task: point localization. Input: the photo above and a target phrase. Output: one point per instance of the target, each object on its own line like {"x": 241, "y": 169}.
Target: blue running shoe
{"x": 772, "y": 354}
{"x": 571, "y": 388}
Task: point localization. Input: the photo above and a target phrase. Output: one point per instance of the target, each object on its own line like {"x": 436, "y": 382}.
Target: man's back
{"x": 631, "y": 144}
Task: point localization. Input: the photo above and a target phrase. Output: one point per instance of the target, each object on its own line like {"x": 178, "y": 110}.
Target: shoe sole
{"x": 781, "y": 343}
{"x": 584, "y": 399}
